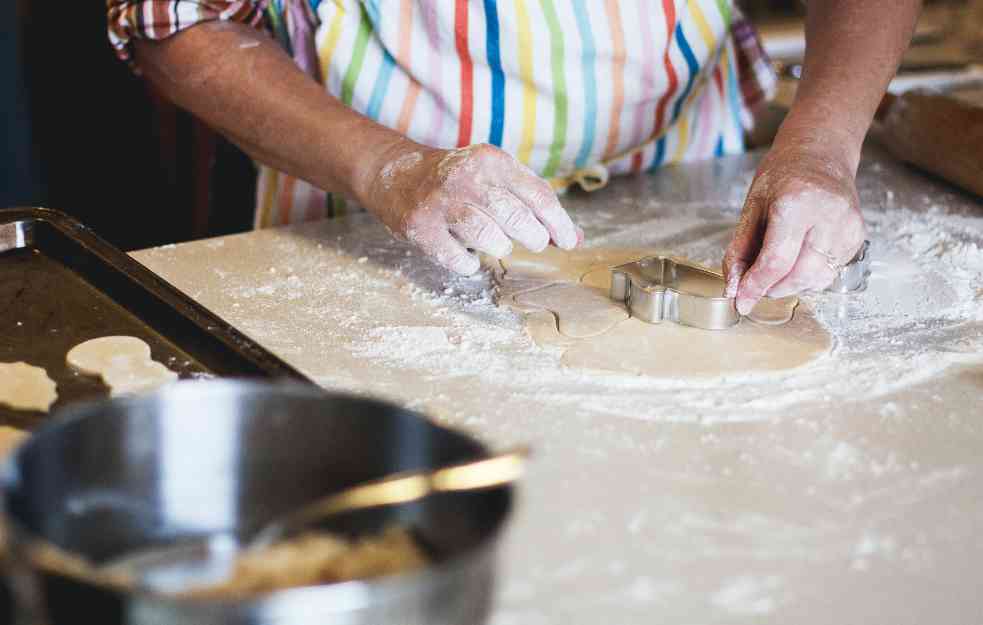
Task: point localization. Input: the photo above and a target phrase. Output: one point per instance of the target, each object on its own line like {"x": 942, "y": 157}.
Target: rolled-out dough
{"x": 555, "y": 265}
{"x": 25, "y": 387}
{"x": 524, "y": 271}
{"x": 596, "y": 333}
{"x": 594, "y": 270}
{"x": 669, "y": 350}
{"x": 123, "y": 363}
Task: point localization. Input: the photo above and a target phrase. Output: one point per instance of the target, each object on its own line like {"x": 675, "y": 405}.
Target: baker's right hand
{"x": 449, "y": 202}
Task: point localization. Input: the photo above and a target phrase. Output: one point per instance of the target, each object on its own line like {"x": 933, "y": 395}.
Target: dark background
{"x": 86, "y": 136}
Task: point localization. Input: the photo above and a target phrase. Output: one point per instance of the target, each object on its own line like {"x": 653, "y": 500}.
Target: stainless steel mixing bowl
{"x": 204, "y": 458}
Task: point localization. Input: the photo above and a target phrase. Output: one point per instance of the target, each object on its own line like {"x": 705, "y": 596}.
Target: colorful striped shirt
{"x": 575, "y": 89}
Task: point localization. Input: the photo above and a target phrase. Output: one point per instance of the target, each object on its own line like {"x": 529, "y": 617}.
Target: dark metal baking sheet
{"x": 60, "y": 285}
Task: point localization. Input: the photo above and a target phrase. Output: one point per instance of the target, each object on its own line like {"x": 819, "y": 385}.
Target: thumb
{"x": 740, "y": 254}
{"x": 734, "y": 269}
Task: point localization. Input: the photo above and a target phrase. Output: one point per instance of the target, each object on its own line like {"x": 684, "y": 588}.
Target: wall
{"x": 17, "y": 172}
{"x": 107, "y": 153}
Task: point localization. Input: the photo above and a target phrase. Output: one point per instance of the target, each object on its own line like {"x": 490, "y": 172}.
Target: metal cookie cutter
{"x": 852, "y": 277}
{"x": 659, "y": 288}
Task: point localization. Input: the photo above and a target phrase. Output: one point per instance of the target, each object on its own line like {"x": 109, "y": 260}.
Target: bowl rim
{"x": 24, "y": 546}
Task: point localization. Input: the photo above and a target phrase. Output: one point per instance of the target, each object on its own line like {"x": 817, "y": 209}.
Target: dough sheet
{"x": 564, "y": 300}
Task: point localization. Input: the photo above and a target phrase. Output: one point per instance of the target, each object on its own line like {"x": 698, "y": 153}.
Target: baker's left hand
{"x": 800, "y": 224}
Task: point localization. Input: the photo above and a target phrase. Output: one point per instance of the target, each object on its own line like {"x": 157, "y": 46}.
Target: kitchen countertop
{"x": 851, "y": 491}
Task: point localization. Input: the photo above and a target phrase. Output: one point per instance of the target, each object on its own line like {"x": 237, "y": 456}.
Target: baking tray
{"x": 61, "y": 284}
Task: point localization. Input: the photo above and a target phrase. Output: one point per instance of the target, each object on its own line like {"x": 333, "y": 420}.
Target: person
{"x": 456, "y": 121}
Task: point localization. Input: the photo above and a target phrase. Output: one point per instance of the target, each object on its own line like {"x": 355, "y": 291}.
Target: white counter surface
{"x": 847, "y": 492}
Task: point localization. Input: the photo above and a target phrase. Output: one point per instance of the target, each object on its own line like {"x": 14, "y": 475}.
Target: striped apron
{"x": 575, "y": 89}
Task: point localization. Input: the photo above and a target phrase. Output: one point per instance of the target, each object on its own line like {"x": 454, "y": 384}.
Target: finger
{"x": 438, "y": 244}
{"x": 539, "y": 196}
{"x": 779, "y": 250}
{"x": 541, "y": 199}
{"x": 842, "y": 241}
{"x": 512, "y": 185}
{"x": 815, "y": 268}
{"x": 516, "y": 220}
{"x": 810, "y": 272}
{"x": 478, "y": 231}
{"x": 740, "y": 254}
{"x": 733, "y": 272}
{"x": 744, "y": 246}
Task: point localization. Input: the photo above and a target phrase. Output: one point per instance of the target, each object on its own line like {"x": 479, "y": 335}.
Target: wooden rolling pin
{"x": 936, "y": 132}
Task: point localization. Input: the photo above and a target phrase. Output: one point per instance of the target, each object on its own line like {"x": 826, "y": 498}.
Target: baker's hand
{"x": 801, "y": 223}
{"x": 450, "y": 202}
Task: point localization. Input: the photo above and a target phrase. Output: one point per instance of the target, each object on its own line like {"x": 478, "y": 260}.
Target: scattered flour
{"x": 748, "y": 595}
{"x": 921, "y": 313}
{"x": 423, "y": 336}
{"x": 842, "y": 461}
{"x": 870, "y": 546}
{"x": 414, "y": 342}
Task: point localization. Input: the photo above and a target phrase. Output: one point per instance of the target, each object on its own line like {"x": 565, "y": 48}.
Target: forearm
{"x": 853, "y": 49}
{"x": 242, "y": 83}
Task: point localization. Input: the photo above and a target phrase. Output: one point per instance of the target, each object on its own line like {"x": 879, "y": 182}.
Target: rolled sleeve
{"x": 159, "y": 19}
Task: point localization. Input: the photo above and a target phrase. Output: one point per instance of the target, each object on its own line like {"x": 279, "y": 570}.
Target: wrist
{"x": 821, "y": 132}
{"x": 830, "y": 144}
{"x": 367, "y": 171}
{"x": 350, "y": 153}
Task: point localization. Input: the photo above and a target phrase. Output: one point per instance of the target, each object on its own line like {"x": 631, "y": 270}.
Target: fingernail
{"x": 568, "y": 242}
{"x": 539, "y": 241}
{"x": 734, "y": 279}
{"x": 502, "y": 250}
{"x": 528, "y": 231}
{"x": 575, "y": 239}
{"x": 464, "y": 265}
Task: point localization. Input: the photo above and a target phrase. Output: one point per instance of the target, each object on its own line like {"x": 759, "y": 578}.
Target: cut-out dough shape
{"x": 580, "y": 312}
{"x": 123, "y": 363}
{"x": 525, "y": 271}
{"x": 541, "y": 326}
{"x": 130, "y": 376}
{"x": 25, "y": 387}
{"x": 665, "y": 350}
{"x": 774, "y": 312}
{"x": 509, "y": 290}
{"x": 95, "y": 356}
